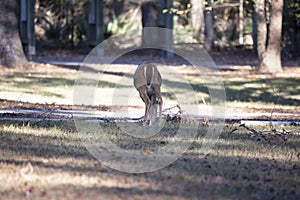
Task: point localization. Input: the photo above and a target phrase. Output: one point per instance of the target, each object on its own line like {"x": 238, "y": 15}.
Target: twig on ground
{"x": 177, "y": 106}
{"x": 250, "y": 129}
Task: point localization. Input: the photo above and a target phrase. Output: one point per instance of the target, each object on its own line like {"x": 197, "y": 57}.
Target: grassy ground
{"x": 245, "y": 90}
{"x": 43, "y": 160}
{"x": 47, "y": 160}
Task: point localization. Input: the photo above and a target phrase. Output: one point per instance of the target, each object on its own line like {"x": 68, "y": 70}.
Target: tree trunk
{"x": 241, "y": 22}
{"x": 11, "y": 51}
{"x": 209, "y": 31}
{"x": 269, "y": 41}
{"x": 197, "y": 18}
{"x": 254, "y": 28}
{"x": 261, "y": 28}
{"x": 149, "y": 19}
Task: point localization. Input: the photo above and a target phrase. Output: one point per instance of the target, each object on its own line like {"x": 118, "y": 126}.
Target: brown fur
{"x": 148, "y": 87}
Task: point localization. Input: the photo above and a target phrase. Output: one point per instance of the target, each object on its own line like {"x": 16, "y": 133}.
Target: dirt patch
{"x": 17, "y": 105}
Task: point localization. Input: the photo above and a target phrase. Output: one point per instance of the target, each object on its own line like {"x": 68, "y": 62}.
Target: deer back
{"x": 146, "y": 74}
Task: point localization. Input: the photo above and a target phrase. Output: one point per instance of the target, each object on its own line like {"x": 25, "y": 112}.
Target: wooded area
{"x": 270, "y": 28}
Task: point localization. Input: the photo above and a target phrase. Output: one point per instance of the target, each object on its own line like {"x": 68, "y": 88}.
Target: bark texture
{"x": 269, "y": 36}
{"x": 11, "y": 50}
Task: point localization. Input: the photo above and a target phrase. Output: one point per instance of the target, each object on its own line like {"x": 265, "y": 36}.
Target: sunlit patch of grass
{"x": 40, "y": 83}
{"x": 263, "y": 91}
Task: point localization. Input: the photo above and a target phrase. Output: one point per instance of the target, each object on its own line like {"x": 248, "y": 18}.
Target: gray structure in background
{"x": 27, "y": 25}
{"x": 165, "y": 20}
{"x": 95, "y": 33}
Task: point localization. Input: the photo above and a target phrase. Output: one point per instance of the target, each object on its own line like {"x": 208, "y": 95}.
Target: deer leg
{"x": 147, "y": 109}
{"x": 145, "y": 98}
{"x": 160, "y": 101}
{"x": 153, "y": 110}
{"x": 160, "y": 109}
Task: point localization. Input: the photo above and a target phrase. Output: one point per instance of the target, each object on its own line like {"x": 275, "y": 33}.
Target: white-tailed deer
{"x": 147, "y": 81}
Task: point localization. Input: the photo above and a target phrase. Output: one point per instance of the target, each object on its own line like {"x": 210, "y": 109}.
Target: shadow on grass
{"x": 271, "y": 90}
{"x": 282, "y": 91}
{"x": 35, "y": 84}
{"x": 218, "y": 175}
{"x": 214, "y": 176}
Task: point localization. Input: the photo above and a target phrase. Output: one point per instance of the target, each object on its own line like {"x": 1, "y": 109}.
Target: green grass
{"x": 243, "y": 90}
{"x": 37, "y": 84}
{"x": 267, "y": 90}
{"x": 46, "y": 160}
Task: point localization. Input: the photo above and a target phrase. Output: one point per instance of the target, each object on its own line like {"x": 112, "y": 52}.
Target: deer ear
{"x": 140, "y": 63}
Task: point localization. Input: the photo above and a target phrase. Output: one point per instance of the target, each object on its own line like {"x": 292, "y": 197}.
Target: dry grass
{"x": 46, "y": 160}
{"x": 245, "y": 90}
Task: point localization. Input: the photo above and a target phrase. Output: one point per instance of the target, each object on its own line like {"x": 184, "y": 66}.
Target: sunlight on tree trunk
{"x": 269, "y": 38}
{"x": 11, "y": 51}
{"x": 241, "y": 22}
{"x": 197, "y": 18}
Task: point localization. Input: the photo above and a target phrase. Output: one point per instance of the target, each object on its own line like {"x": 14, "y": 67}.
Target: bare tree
{"x": 269, "y": 28}
{"x": 11, "y": 51}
